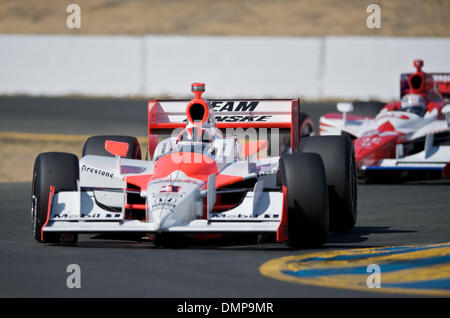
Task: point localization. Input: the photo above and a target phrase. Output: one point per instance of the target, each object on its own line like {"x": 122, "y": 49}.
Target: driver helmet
{"x": 413, "y": 103}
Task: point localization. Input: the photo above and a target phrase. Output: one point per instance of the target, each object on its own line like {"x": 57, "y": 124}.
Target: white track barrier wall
{"x": 312, "y": 67}
{"x": 234, "y": 66}
{"x": 60, "y": 65}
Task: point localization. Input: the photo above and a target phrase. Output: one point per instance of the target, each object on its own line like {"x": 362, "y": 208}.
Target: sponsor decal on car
{"x": 97, "y": 171}
{"x": 229, "y": 106}
{"x": 227, "y": 216}
{"x": 441, "y": 77}
{"x": 242, "y": 118}
{"x": 105, "y": 215}
{"x": 166, "y": 199}
{"x": 235, "y": 107}
{"x": 169, "y": 188}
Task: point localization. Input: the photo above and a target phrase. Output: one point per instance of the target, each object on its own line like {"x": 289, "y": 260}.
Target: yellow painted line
{"x": 323, "y": 260}
{"x": 53, "y": 137}
{"x": 374, "y": 258}
{"x": 358, "y": 283}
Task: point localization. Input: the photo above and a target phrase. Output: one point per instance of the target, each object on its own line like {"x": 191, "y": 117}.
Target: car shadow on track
{"x": 400, "y": 182}
{"x": 360, "y": 234}
{"x": 251, "y": 243}
{"x": 114, "y": 241}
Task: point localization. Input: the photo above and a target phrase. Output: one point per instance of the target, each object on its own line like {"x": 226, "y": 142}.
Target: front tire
{"x": 61, "y": 171}
{"x": 304, "y": 184}
{"x": 339, "y": 159}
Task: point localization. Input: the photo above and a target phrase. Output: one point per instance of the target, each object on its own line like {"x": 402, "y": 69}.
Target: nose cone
{"x": 173, "y": 203}
{"x": 161, "y": 218}
{"x": 375, "y": 146}
{"x": 162, "y": 203}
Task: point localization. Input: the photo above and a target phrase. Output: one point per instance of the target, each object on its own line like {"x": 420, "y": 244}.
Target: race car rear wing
{"x": 166, "y": 115}
{"x": 442, "y": 81}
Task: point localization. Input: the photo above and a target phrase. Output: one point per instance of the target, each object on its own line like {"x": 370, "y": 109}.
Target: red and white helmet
{"x": 413, "y": 103}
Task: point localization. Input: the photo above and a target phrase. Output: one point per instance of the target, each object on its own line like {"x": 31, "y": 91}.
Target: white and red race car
{"x": 408, "y": 139}
{"x": 219, "y": 166}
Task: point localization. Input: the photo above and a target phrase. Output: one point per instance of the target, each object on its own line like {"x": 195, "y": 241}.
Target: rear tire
{"x": 339, "y": 160}
{"x": 303, "y": 176}
{"x": 56, "y": 169}
{"x": 95, "y": 145}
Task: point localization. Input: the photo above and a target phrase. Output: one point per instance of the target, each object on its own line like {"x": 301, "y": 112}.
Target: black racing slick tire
{"x": 61, "y": 171}
{"x": 339, "y": 160}
{"x": 304, "y": 184}
{"x": 306, "y": 125}
{"x": 95, "y": 145}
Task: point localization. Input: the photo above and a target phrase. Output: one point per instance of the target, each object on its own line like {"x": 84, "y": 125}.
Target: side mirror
{"x": 344, "y": 108}
{"x": 116, "y": 148}
{"x": 119, "y": 149}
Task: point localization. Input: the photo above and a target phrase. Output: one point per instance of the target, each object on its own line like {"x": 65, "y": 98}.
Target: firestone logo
{"x": 96, "y": 171}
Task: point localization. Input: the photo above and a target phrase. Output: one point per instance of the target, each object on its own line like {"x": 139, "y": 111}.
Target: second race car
{"x": 408, "y": 139}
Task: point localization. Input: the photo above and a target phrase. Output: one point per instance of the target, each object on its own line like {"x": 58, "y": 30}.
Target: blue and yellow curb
{"x": 415, "y": 269}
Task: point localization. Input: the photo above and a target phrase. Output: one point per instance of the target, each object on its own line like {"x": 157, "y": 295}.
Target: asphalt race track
{"x": 389, "y": 215}
{"x": 91, "y": 116}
